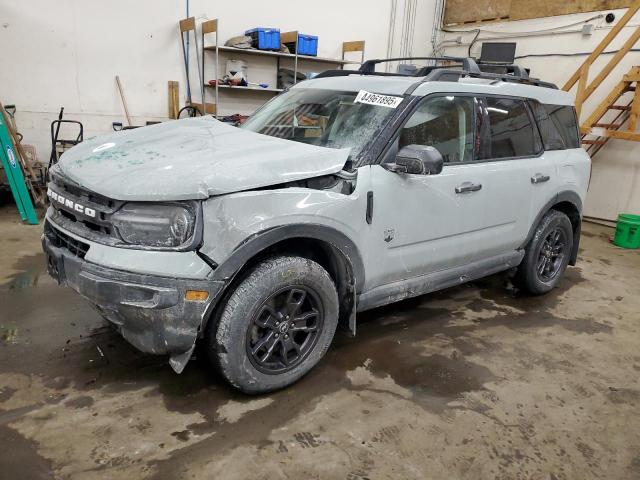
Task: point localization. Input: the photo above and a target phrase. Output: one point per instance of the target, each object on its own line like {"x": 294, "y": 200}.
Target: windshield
{"x": 326, "y": 118}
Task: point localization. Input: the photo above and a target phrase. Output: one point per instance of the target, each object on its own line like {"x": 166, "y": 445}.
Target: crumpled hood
{"x": 192, "y": 158}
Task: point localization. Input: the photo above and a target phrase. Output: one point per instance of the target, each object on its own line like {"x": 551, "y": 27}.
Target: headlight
{"x": 155, "y": 225}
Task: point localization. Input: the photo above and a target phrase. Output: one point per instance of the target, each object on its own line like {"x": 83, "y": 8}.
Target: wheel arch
{"x": 569, "y": 203}
{"x": 332, "y": 249}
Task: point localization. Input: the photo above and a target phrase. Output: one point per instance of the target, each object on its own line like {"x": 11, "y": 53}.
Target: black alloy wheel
{"x": 551, "y": 256}
{"x": 285, "y": 329}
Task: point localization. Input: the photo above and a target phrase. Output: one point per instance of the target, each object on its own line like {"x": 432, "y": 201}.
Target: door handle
{"x": 540, "y": 178}
{"x": 468, "y": 187}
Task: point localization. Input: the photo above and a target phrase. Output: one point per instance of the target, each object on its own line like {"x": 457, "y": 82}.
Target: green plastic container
{"x": 627, "y": 231}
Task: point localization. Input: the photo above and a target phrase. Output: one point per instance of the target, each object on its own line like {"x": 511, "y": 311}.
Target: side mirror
{"x": 418, "y": 160}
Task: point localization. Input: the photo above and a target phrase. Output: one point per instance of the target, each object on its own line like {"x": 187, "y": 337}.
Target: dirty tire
{"x": 229, "y": 345}
{"x": 528, "y": 276}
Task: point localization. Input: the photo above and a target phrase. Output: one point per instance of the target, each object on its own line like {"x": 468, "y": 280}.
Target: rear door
{"x": 561, "y": 167}
{"x": 510, "y": 153}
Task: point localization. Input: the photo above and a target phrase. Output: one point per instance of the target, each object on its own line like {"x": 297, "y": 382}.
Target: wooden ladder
{"x": 597, "y": 130}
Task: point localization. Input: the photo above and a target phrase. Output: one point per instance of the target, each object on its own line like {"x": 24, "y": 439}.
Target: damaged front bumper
{"x": 150, "y": 311}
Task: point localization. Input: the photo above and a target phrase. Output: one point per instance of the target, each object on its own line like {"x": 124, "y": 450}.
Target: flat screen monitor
{"x": 498, "y": 52}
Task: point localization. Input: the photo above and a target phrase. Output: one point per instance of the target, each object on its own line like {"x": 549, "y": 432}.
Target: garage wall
{"x": 615, "y": 183}
{"x": 67, "y": 52}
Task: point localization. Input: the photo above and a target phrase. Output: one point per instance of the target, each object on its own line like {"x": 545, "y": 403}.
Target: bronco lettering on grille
{"x": 56, "y": 197}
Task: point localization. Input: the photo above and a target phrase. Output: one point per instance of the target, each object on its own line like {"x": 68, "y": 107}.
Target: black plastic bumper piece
{"x": 150, "y": 311}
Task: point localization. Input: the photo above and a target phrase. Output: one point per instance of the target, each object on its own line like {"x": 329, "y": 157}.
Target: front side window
{"x": 511, "y": 133}
{"x": 327, "y": 118}
{"x": 443, "y": 122}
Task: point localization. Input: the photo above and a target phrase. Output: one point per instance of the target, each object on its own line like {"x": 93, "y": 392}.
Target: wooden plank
{"x": 632, "y": 75}
{"x": 635, "y": 111}
{"x": 525, "y": 9}
{"x": 582, "y": 85}
{"x": 470, "y": 11}
{"x": 174, "y": 100}
{"x": 356, "y": 46}
{"x": 604, "y": 73}
{"x": 210, "y": 26}
{"x": 187, "y": 24}
{"x": 604, "y": 43}
{"x": 611, "y": 126}
{"x": 622, "y": 135}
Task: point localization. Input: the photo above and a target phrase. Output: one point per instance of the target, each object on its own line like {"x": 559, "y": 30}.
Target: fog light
{"x": 196, "y": 295}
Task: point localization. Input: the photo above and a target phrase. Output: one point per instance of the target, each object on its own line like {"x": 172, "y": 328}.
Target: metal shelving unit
{"x": 210, "y": 28}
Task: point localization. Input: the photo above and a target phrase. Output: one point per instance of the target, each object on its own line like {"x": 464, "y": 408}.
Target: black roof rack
{"x": 468, "y": 63}
{"x": 468, "y": 67}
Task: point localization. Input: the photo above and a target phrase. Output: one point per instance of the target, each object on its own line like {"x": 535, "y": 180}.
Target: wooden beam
{"x": 604, "y": 73}
{"x": 174, "y": 99}
{"x": 631, "y": 11}
{"x": 605, "y": 133}
{"x": 635, "y": 111}
{"x": 582, "y": 84}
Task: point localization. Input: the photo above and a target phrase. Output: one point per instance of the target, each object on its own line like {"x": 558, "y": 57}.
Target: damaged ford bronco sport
{"x": 346, "y": 192}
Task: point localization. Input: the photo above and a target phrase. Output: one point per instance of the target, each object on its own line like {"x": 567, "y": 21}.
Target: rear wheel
{"x": 547, "y": 254}
{"x": 276, "y": 325}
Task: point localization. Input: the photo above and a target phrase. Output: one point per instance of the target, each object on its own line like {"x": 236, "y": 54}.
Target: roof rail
{"x": 444, "y": 73}
{"x": 450, "y": 75}
{"x": 468, "y": 63}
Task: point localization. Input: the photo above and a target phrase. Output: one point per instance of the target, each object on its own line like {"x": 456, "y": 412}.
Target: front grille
{"x": 96, "y": 225}
{"x": 62, "y": 240}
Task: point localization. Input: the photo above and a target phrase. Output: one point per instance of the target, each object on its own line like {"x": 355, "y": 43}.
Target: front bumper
{"x": 150, "y": 311}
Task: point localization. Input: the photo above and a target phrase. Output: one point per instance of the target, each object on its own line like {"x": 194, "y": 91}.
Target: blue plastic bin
{"x": 264, "y": 38}
{"x": 307, "y": 45}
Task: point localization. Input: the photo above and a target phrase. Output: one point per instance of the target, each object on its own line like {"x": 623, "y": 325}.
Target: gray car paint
{"x": 201, "y": 158}
{"x": 193, "y": 158}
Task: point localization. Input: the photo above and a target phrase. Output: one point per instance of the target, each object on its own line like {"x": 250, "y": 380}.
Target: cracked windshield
{"x": 326, "y": 118}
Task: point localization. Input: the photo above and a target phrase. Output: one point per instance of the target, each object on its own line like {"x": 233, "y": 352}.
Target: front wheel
{"x": 547, "y": 254}
{"x": 276, "y": 325}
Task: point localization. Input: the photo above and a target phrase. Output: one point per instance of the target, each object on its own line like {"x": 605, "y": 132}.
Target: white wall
{"x": 67, "y": 52}
{"x": 615, "y": 183}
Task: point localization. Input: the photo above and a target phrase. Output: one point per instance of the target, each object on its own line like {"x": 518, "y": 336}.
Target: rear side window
{"x": 511, "y": 133}
{"x": 564, "y": 120}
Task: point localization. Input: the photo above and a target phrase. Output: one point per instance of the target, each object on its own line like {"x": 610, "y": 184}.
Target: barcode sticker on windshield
{"x": 378, "y": 100}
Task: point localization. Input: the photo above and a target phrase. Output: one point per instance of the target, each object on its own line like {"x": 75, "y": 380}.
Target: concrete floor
{"x": 474, "y": 382}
